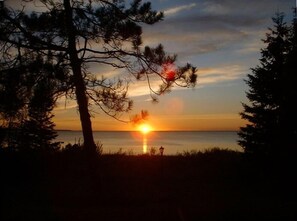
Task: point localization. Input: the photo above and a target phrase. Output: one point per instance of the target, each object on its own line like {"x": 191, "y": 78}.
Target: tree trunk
{"x": 80, "y": 88}
{"x": 82, "y": 101}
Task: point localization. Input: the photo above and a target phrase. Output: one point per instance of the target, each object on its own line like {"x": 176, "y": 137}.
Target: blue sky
{"x": 223, "y": 39}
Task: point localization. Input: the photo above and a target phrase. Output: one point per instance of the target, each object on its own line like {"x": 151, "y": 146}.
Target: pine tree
{"x": 12, "y": 103}
{"x": 27, "y": 92}
{"x": 271, "y": 95}
{"x": 38, "y": 130}
{"x": 289, "y": 111}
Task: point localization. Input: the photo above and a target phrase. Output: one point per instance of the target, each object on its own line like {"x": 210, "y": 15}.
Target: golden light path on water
{"x": 144, "y": 146}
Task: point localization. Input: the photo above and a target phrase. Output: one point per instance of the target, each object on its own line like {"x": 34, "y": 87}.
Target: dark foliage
{"x": 271, "y": 112}
{"x": 38, "y": 130}
{"x": 27, "y": 91}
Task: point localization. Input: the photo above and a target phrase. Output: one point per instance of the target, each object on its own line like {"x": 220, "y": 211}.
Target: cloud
{"x": 220, "y": 74}
{"x": 206, "y": 76}
{"x": 141, "y": 87}
{"x": 26, "y": 6}
{"x": 196, "y": 41}
{"x": 175, "y": 10}
{"x": 213, "y": 25}
{"x": 201, "y": 116}
{"x": 64, "y": 104}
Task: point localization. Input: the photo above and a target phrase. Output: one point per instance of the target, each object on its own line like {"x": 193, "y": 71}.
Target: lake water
{"x": 173, "y": 142}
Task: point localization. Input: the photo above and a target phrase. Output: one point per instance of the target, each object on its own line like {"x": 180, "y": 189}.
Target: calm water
{"x": 173, "y": 142}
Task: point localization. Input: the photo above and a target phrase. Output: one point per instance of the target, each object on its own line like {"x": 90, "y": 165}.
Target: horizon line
{"x": 152, "y": 130}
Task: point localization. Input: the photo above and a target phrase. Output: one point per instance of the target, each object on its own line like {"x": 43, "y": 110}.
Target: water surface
{"x": 173, "y": 142}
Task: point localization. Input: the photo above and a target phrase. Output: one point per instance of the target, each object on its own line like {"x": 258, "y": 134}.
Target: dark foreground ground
{"x": 218, "y": 185}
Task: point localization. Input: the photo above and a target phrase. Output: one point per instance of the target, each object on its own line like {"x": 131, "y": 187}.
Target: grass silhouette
{"x": 214, "y": 185}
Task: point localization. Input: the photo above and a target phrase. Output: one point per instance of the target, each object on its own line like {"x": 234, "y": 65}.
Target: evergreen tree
{"x": 12, "y": 105}
{"x": 27, "y": 91}
{"x": 289, "y": 111}
{"x": 38, "y": 130}
{"x": 272, "y": 95}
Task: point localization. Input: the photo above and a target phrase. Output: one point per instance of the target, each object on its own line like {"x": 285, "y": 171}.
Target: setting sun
{"x": 145, "y": 128}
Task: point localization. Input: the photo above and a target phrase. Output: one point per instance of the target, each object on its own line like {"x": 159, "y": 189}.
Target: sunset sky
{"x": 222, "y": 38}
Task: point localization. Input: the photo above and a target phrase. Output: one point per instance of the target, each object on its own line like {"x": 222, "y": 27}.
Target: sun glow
{"x": 145, "y": 128}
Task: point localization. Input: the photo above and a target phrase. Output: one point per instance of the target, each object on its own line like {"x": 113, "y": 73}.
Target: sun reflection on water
{"x": 144, "y": 145}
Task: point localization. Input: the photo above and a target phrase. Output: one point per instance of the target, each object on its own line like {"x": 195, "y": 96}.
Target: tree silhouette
{"x": 27, "y": 88}
{"x": 289, "y": 110}
{"x": 77, "y": 34}
{"x": 38, "y": 129}
{"x": 272, "y": 109}
{"x": 12, "y": 103}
